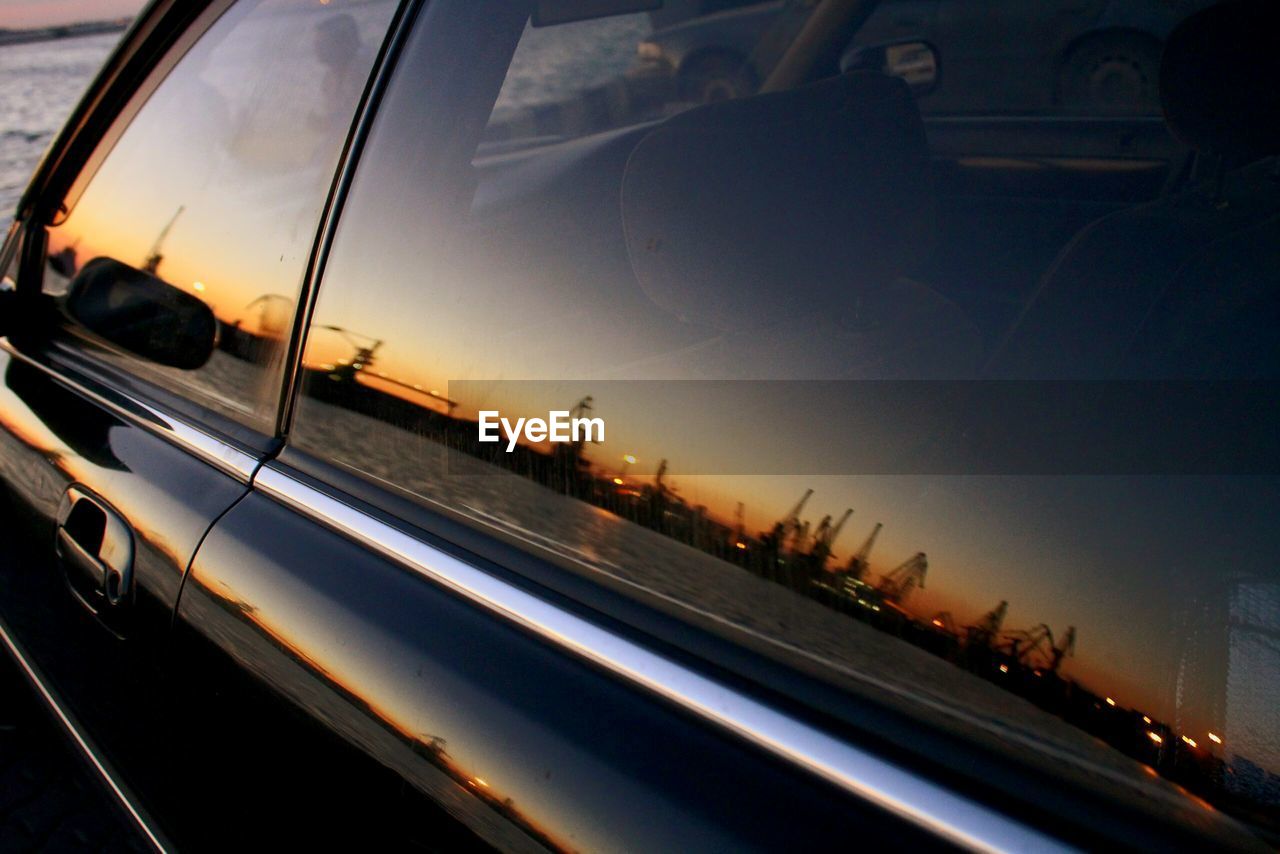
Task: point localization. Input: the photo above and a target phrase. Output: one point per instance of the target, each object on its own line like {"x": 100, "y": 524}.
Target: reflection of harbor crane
{"x": 366, "y": 348}
{"x": 788, "y": 526}
{"x": 660, "y": 486}
{"x": 1063, "y": 649}
{"x": 858, "y": 564}
{"x": 898, "y": 583}
{"x": 824, "y": 537}
{"x": 800, "y": 538}
{"x": 839, "y": 526}
{"x": 156, "y": 255}
{"x": 820, "y": 533}
{"x": 986, "y": 630}
{"x": 1023, "y": 644}
{"x": 580, "y": 410}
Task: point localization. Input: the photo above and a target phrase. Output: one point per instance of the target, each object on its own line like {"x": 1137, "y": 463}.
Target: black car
{"x": 421, "y": 430}
{"x": 1046, "y": 56}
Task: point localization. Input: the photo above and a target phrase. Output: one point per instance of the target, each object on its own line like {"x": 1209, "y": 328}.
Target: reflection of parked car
{"x": 675, "y": 12}
{"x": 1090, "y": 55}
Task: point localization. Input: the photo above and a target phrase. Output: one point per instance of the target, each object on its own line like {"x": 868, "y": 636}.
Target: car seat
{"x": 1188, "y": 286}
{"x": 788, "y": 224}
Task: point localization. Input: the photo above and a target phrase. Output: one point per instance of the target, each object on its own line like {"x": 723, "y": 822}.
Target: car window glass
{"x": 919, "y": 404}
{"x": 213, "y": 193}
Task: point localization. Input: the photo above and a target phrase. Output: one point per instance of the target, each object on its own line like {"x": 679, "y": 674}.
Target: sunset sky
{"x": 20, "y": 14}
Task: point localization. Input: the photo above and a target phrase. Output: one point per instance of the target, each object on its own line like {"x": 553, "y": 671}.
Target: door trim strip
{"x": 221, "y": 455}
{"x": 909, "y": 796}
{"x": 82, "y": 743}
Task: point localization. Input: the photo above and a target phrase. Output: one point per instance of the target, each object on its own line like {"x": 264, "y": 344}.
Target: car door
{"x": 553, "y": 641}
{"x": 535, "y": 726}
{"x": 160, "y": 253}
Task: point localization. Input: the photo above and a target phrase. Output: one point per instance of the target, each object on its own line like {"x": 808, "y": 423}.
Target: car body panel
{"x": 308, "y": 664}
{"x": 530, "y": 747}
{"x": 111, "y": 673}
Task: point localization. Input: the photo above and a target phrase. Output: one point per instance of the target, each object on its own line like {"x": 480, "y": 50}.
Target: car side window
{"x": 183, "y": 256}
{"x": 843, "y": 383}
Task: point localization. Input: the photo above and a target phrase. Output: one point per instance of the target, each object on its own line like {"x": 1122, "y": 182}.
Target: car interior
{"x": 813, "y": 233}
{"x": 1183, "y": 286}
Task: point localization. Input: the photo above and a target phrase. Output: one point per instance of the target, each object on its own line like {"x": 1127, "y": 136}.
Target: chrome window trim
{"x": 82, "y": 743}
{"x": 9, "y": 248}
{"x": 212, "y": 450}
{"x": 397, "y": 35}
{"x": 909, "y": 796}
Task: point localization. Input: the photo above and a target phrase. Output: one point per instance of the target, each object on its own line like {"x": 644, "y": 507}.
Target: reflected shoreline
{"x": 796, "y": 554}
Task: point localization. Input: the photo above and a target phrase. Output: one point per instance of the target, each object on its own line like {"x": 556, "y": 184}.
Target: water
{"x": 40, "y": 83}
{"x": 557, "y": 63}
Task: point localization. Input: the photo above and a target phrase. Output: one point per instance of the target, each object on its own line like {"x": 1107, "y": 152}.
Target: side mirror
{"x": 915, "y": 62}
{"x": 142, "y": 314}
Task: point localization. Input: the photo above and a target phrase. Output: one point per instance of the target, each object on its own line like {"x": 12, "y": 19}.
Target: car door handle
{"x": 96, "y": 548}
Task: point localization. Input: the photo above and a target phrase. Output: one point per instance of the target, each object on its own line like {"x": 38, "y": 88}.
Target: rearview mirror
{"x": 142, "y": 314}
{"x": 915, "y": 62}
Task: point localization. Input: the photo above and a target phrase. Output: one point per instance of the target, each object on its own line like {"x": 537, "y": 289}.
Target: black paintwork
{"x": 448, "y": 696}
{"x": 311, "y": 691}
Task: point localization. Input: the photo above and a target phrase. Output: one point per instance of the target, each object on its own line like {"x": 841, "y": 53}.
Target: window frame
{"x": 160, "y": 38}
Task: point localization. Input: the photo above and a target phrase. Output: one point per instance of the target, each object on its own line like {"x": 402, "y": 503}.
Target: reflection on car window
{"x": 215, "y": 189}
{"x": 920, "y": 404}
{"x": 571, "y": 79}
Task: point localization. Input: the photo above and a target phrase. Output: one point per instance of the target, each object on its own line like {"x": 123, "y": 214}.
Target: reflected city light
{"x": 1190, "y": 741}
{"x": 1215, "y": 738}
{"x": 1155, "y": 737}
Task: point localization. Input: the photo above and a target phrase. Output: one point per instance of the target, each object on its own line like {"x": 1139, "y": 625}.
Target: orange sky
{"x": 21, "y": 14}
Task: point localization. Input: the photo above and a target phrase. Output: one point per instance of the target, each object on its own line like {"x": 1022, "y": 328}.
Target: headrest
{"x": 1220, "y": 80}
{"x": 739, "y": 212}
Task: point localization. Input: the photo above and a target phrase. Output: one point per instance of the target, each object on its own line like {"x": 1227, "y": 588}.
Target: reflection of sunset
{"x": 360, "y": 690}
{"x": 33, "y": 428}
{"x": 1065, "y": 551}
{"x": 216, "y": 187}
{"x": 230, "y": 278}
{"x": 987, "y": 537}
